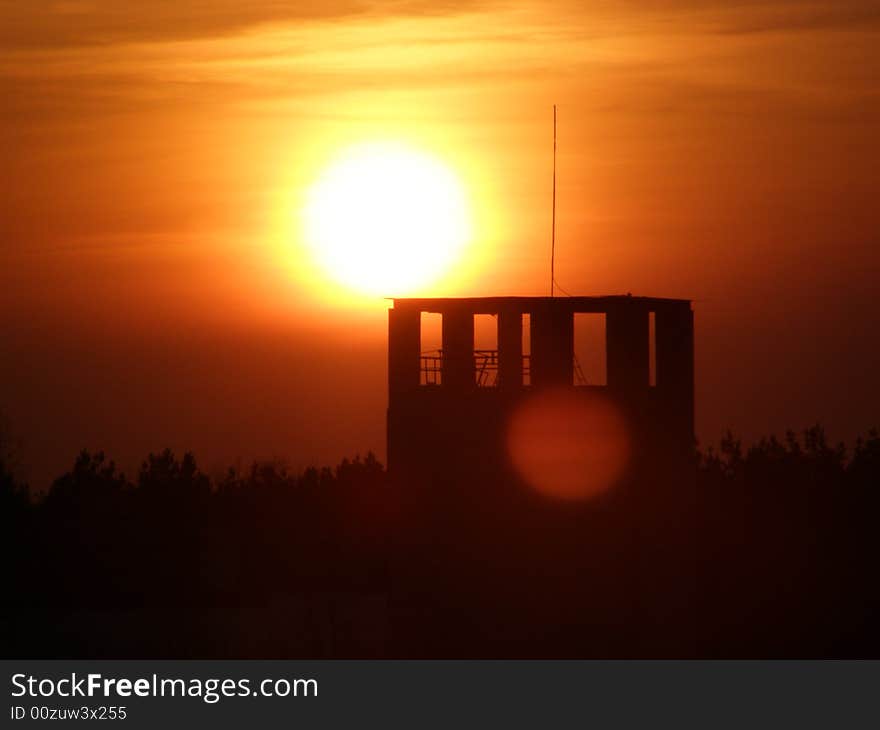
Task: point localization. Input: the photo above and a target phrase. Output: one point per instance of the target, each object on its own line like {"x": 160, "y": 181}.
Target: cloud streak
{"x": 41, "y": 24}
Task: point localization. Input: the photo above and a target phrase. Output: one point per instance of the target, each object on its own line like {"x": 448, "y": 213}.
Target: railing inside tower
{"x": 485, "y": 368}
{"x": 431, "y": 368}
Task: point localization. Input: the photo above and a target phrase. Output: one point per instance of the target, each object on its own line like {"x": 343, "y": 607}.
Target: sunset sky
{"x": 156, "y": 287}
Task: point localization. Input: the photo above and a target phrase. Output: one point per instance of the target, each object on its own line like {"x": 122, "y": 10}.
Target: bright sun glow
{"x": 386, "y": 219}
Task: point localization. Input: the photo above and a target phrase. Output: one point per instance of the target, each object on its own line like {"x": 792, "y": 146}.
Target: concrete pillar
{"x": 626, "y": 338}
{"x": 458, "y": 349}
{"x": 674, "y": 332}
{"x": 510, "y": 360}
{"x": 404, "y": 344}
{"x": 552, "y": 356}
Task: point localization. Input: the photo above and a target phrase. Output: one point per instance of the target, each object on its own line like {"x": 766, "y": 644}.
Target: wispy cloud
{"x": 59, "y": 23}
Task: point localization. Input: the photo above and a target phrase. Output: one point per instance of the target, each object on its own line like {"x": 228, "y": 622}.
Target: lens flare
{"x": 569, "y": 444}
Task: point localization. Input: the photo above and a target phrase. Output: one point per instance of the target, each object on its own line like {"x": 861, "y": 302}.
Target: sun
{"x": 388, "y": 219}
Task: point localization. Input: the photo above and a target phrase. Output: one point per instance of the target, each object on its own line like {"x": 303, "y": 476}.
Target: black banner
{"x": 409, "y": 694}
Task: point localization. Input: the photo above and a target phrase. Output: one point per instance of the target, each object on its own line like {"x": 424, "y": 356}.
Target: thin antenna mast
{"x": 553, "y": 224}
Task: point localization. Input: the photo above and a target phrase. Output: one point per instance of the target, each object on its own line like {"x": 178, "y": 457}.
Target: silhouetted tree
{"x": 163, "y": 477}
{"x": 92, "y": 482}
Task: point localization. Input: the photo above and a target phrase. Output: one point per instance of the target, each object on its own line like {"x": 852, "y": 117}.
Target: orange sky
{"x": 154, "y": 290}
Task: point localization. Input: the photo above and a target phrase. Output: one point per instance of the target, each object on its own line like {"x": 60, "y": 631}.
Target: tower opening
{"x": 431, "y": 348}
{"x": 486, "y": 350}
{"x": 590, "y": 349}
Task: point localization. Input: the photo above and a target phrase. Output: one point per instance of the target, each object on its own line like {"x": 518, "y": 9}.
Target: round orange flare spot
{"x": 569, "y": 444}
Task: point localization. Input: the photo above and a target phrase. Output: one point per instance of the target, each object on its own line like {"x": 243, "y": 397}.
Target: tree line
{"x": 762, "y": 550}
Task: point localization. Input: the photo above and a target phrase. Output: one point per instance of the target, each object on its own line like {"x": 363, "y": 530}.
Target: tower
{"x": 448, "y": 409}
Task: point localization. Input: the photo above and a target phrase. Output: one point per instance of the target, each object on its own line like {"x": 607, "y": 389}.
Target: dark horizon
{"x": 759, "y": 552}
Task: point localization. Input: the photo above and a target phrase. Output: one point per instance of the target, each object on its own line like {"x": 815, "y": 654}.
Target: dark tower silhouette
{"x": 448, "y": 409}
